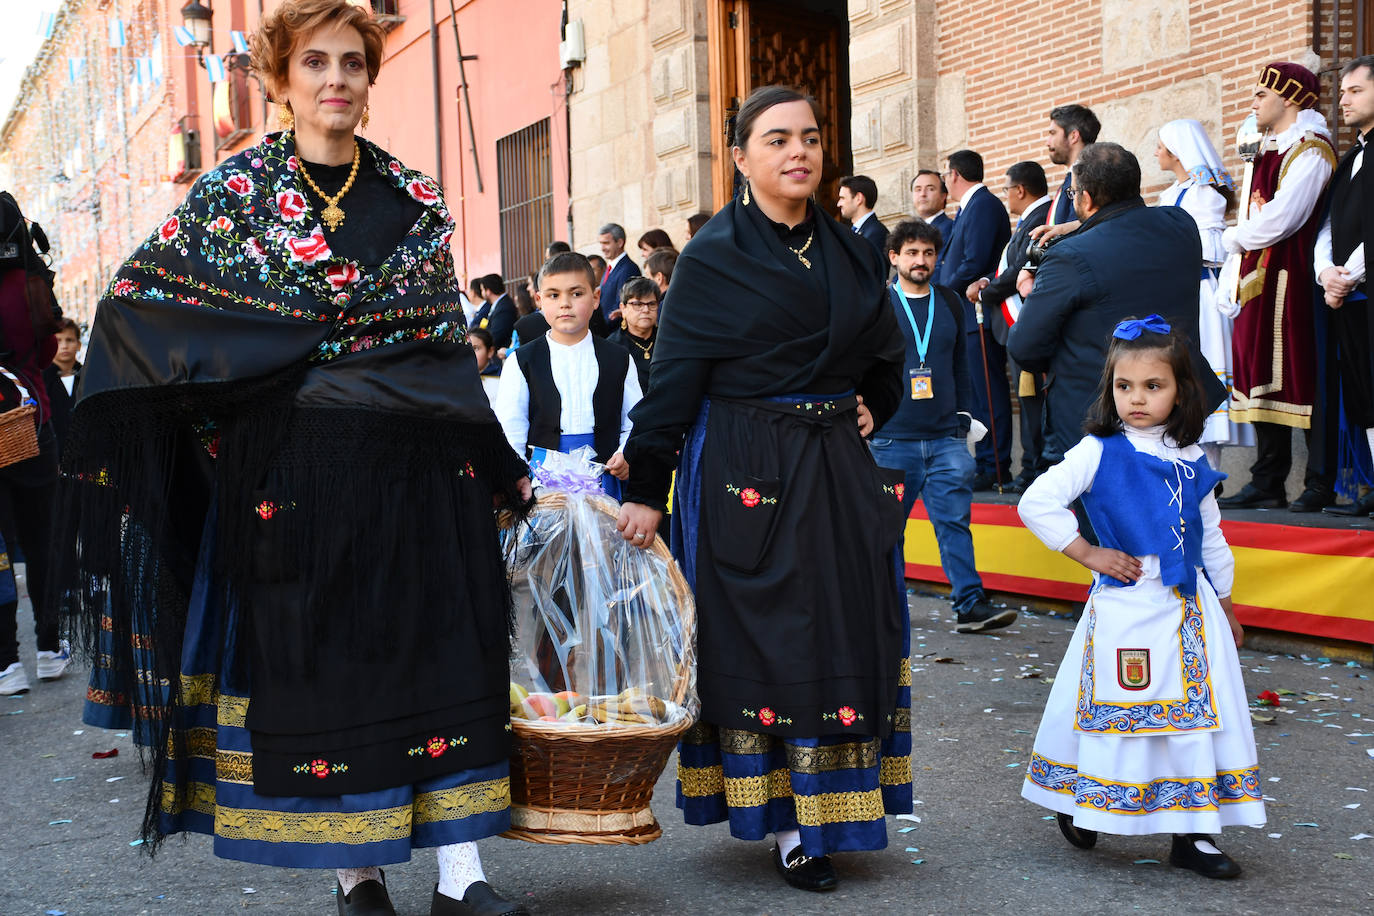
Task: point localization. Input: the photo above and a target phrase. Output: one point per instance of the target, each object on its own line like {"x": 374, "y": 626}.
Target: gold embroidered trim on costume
{"x": 233, "y": 711}
{"x": 1309, "y": 141}
{"x": 354, "y": 829}
{"x": 701, "y": 782}
{"x": 839, "y": 807}
{"x": 198, "y": 742}
{"x": 460, "y": 802}
{"x": 198, "y": 689}
{"x": 201, "y": 798}
{"x": 1276, "y": 362}
{"x": 752, "y": 791}
{"x": 739, "y": 741}
{"x": 895, "y": 771}
{"x": 904, "y": 677}
{"x": 234, "y": 766}
{"x": 852, "y": 755}
{"x": 901, "y": 721}
{"x": 700, "y": 733}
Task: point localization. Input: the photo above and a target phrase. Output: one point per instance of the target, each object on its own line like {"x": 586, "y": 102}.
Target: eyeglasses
{"x": 641, "y": 305}
{"x": 1072, "y": 192}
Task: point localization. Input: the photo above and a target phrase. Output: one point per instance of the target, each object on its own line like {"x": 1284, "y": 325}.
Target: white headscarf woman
{"x": 1205, "y": 190}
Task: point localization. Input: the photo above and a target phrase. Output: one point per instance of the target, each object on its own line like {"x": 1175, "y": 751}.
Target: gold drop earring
{"x": 745, "y": 198}
{"x": 367, "y": 115}
{"x": 285, "y": 116}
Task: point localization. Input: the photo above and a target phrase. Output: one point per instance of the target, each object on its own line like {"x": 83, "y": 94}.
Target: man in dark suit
{"x": 498, "y": 314}
{"x": 1072, "y": 127}
{"x": 1127, "y": 260}
{"x": 1028, "y": 199}
{"x": 981, "y": 230}
{"x": 619, "y": 269}
{"x": 857, "y": 197}
{"x": 929, "y": 195}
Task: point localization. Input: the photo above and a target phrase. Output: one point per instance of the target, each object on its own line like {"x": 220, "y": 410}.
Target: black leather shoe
{"x": 1019, "y": 484}
{"x": 1078, "y": 836}
{"x": 368, "y": 898}
{"x": 804, "y": 872}
{"x": 480, "y": 900}
{"x": 983, "y": 482}
{"x": 1185, "y": 854}
{"x": 1251, "y": 497}
{"x": 1312, "y": 500}
{"x": 982, "y": 616}
{"x": 1357, "y": 509}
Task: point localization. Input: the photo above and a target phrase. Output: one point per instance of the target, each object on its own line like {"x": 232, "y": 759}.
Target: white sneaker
{"x": 14, "y": 679}
{"x": 52, "y": 664}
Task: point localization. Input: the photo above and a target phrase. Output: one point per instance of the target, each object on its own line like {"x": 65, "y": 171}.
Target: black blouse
{"x": 377, "y": 214}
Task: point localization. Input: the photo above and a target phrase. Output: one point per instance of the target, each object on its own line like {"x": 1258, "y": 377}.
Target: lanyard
{"x": 922, "y": 343}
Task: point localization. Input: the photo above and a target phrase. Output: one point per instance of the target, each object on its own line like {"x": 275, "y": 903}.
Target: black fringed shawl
{"x": 328, "y": 417}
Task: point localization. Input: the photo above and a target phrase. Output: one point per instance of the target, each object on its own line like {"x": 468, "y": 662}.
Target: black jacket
{"x": 1003, "y": 285}
{"x": 1127, "y": 261}
{"x": 875, "y": 232}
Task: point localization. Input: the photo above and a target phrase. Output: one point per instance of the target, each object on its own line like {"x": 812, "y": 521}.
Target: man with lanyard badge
{"x": 928, "y": 436}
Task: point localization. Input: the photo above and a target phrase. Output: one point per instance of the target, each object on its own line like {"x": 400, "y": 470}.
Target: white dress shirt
{"x": 1044, "y": 507}
{"x": 861, "y": 220}
{"x": 1295, "y": 200}
{"x": 1321, "y": 260}
{"x": 968, "y": 195}
{"x": 575, "y": 374}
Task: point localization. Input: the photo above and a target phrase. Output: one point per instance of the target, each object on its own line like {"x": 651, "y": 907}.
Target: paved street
{"x": 65, "y": 827}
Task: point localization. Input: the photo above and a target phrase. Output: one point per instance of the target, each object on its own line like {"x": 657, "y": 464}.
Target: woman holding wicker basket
{"x": 280, "y": 475}
{"x": 782, "y": 522}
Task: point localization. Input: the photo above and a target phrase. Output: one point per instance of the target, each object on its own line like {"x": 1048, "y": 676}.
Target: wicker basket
{"x": 18, "y": 428}
{"x": 591, "y": 784}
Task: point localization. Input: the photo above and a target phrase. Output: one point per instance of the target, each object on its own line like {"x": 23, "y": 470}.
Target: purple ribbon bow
{"x": 1132, "y": 328}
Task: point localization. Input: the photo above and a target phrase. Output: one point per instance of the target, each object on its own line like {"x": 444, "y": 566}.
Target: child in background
{"x": 487, "y": 366}
{"x": 1147, "y": 727}
{"x": 569, "y": 388}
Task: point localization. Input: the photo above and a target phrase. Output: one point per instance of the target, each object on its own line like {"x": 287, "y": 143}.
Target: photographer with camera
{"x": 1125, "y": 260}
{"x": 29, "y": 317}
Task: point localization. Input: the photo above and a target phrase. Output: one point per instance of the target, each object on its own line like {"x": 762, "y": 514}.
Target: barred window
{"x": 524, "y": 175}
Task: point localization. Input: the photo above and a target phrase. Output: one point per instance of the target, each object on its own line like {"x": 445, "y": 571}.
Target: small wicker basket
{"x": 591, "y": 784}
{"x": 18, "y": 428}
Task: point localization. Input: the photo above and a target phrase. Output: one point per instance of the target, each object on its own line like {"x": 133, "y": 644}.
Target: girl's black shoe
{"x": 1078, "y": 836}
{"x": 1185, "y": 854}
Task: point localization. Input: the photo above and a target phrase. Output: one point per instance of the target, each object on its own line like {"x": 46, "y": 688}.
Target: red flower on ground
{"x": 310, "y": 249}
{"x": 436, "y": 747}
{"x": 422, "y": 192}
{"x": 750, "y": 497}
{"x": 1269, "y": 698}
{"x": 341, "y": 275}
{"x": 847, "y": 715}
{"x": 767, "y": 716}
{"x": 291, "y": 205}
{"x": 319, "y": 768}
{"x": 169, "y": 229}
{"x": 240, "y": 184}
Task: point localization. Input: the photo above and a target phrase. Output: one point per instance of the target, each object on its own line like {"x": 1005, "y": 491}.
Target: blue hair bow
{"x": 1134, "y": 327}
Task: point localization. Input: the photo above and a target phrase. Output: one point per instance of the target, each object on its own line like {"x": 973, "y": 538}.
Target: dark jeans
{"x": 27, "y": 493}
{"x": 1001, "y": 403}
{"x": 1274, "y": 458}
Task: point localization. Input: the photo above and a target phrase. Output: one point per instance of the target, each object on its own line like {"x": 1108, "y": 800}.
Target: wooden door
{"x": 770, "y": 42}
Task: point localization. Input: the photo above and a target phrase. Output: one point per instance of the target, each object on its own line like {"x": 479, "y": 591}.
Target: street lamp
{"x": 197, "y": 18}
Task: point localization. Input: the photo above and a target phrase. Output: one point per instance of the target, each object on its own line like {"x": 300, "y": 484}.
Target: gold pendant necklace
{"x": 647, "y": 351}
{"x": 798, "y": 251}
{"x": 333, "y": 214}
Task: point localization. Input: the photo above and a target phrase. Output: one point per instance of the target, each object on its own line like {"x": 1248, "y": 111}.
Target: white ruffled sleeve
{"x": 1207, "y": 207}
{"x": 1044, "y": 507}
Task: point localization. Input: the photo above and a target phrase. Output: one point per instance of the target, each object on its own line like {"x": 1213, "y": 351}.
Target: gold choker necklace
{"x": 798, "y": 251}
{"x": 333, "y": 215}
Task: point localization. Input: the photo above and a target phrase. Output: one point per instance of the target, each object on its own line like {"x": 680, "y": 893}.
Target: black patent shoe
{"x": 1251, "y": 497}
{"x": 480, "y": 900}
{"x": 805, "y": 873}
{"x": 368, "y": 898}
{"x": 1185, "y": 854}
{"x": 1357, "y": 509}
{"x": 1078, "y": 836}
{"x": 1312, "y": 500}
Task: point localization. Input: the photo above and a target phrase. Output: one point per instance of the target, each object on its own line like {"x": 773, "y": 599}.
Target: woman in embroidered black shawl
{"x": 278, "y": 499}
{"x": 776, "y": 354}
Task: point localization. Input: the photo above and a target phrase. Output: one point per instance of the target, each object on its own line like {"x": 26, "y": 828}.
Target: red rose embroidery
{"x": 319, "y": 768}
{"x": 436, "y": 747}
{"x": 240, "y": 184}
{"x": 292, "y": 163}
{"x": 900, "y": 490}
{"x": 847, "y": 715}
{"x": 124, "y": 287}
{"x": 169, "y": 229}
{"x": 341, "y": 275}
{"x": 395, "y": 167}
{"x": 310, "y": 249}
{"x": 422, "y": 192}
{"x": 767, "y": 716}
{"x": 266, "y": 509}
{"x": 222, "y": 224}
{"x": 750, "y": 497}
{"x": 291, "y": 205}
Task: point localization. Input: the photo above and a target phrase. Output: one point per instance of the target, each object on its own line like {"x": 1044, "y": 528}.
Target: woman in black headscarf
{"x": 776, "y": 354}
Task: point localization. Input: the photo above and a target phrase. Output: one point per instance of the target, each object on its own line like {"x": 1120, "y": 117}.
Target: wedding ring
{"x": 639, "y": 537}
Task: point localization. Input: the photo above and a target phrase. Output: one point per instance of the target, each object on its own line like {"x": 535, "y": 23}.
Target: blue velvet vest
{"x": 1145, "y": 505}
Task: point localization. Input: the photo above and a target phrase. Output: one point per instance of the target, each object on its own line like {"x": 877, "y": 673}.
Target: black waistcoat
{"x": 1350, "y": 199}
{"x": 546, "y": 402}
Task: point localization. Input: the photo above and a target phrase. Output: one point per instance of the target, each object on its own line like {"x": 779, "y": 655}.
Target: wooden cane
{"x": 987, "y": 387}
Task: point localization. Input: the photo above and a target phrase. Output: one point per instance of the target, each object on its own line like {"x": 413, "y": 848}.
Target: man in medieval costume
{"x": 1274, "y": 349}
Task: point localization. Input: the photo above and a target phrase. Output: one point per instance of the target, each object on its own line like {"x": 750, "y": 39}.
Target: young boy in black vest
{"x": 569, "y": 388}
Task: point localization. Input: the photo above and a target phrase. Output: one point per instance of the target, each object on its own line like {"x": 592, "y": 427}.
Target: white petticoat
{"x": 1175, "y": 756}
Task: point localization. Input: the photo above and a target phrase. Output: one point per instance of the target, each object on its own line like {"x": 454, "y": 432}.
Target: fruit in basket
{"x": 576, "y": 714}
{"x": 566, "y": 700}
{"x": 538, "y": 705}
{"x": 517, "y": 695}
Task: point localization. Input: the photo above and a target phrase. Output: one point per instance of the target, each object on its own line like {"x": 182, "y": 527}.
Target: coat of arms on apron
{"x": 1133, "y": 668}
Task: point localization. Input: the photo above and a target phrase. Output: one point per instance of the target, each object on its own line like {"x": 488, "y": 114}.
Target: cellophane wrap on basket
{"x": 604, "y": 628}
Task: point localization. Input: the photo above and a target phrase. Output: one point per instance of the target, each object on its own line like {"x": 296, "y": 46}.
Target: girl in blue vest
{"x": 1147, "y": 728}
